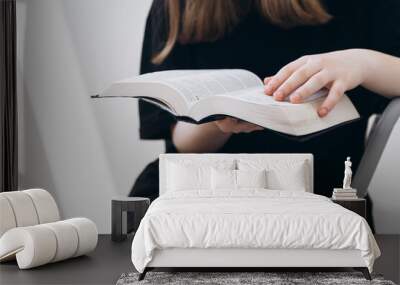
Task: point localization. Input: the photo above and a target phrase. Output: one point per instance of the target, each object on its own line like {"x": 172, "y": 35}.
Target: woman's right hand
{"x": 235, "y": 126}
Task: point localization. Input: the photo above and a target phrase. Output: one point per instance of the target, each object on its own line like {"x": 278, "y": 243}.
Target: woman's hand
{"x": 208, "y": 137}
{"x": 336, "y": 71}
{"x": 235, "y": 126}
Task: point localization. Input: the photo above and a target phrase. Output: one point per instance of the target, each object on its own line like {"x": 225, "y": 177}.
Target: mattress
{"x": 251, "y": 219}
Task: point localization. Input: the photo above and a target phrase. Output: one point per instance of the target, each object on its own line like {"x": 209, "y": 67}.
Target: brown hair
{"x": 208, "y": 20}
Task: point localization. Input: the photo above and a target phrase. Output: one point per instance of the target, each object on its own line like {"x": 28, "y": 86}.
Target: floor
{"x": 110, "y": 260}
{"x": 389, "y": 262}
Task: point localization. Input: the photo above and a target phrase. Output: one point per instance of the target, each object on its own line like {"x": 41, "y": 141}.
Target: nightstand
{"x": 121, "y": 206}
{"x": 358, "y": 206}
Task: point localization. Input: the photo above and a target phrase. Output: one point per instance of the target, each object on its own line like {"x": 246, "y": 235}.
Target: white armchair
{"x": 31, "y": 231}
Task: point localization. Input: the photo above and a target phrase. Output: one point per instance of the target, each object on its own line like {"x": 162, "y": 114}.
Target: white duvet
{"x": 250, "y": 219}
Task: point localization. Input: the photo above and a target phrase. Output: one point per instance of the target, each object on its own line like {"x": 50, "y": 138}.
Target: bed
{"x": 247, "y": 211}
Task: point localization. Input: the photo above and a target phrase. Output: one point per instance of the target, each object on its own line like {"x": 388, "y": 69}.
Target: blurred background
{"x": 84, "y": 151}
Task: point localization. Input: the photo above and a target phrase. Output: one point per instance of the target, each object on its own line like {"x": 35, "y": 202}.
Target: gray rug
{"x": 243, "y": 278}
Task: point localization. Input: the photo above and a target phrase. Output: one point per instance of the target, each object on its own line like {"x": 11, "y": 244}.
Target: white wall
{"x": 83, "y": 151}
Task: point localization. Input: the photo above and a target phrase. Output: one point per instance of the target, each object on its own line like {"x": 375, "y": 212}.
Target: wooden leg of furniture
{"x": 364, "y": 271}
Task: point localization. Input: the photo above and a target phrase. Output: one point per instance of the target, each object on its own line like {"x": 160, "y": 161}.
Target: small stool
{"x": 120, "y": 206}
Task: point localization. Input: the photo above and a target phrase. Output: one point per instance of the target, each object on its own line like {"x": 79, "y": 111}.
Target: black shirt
{"x": 263, "y": 48}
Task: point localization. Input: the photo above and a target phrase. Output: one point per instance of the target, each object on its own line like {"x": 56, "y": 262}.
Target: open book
{"x": 200, "y": 96}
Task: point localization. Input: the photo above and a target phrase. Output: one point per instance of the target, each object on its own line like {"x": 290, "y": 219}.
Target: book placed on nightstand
{"x": 344, "y": 194}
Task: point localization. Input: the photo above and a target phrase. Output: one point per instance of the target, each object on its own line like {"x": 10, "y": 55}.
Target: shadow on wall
{"x": 39, "y": 174}
{"x": 82, "y": 151}
{"x": 110, "y": 50}
{"x": 30, "y": 142}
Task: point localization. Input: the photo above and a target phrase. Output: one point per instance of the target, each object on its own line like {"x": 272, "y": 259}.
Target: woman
{"x": 262, "y": 36}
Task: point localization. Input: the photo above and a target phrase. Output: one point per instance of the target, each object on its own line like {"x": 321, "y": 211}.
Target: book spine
{"x": 344, "y": 198}
{"x": 344, "y": 191}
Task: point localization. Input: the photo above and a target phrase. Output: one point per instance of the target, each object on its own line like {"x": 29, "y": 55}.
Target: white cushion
{"x": 251, "y": 178}
{"x": 226, "y": 179}
{"x": 45, "y": 206}
{"x": 40, "y": 244}
{"x": 87, "y": 232}
{"x": 32, "y": 246}
{"x": 27, "y": 208}
{"x": 223, "y": 179}
{"x": 23, "y": 208}
{"x": 193, "y": 174}
{"x": 281, "y": 175}
{"x": 67, "y": 237}
{"x": 7, "y": 218}
{"x": 187, "y": 177}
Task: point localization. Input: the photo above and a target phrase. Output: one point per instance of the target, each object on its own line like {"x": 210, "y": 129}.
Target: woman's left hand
{"x": 336, "y": 71}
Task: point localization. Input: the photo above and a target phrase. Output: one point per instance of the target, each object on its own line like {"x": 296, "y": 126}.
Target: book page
{"x": 256, "y": 95}
{"x": 195, "y": 85}
{"x": 169, "y": 75}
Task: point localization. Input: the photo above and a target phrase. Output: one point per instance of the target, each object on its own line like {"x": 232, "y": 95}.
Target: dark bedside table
{"x": 121, "y": 207}
{"x": 358, "y": 206}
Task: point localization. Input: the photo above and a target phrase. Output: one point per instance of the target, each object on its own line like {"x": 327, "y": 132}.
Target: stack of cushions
{"x": 31, "y": 231}
{"x": 231, "y": 175}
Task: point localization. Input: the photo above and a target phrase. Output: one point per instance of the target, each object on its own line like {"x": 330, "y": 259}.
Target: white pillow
{"x": 293, "y": 178}
{"x": 186, "y": 175}
{"x": 291, "y": 175}
{"x": 251, "y": 178}
{"x": 222, "y": 179}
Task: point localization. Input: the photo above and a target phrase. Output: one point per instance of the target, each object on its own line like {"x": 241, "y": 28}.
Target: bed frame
{"x": 260, "y": 259}
{"x": 245, "y": 259}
